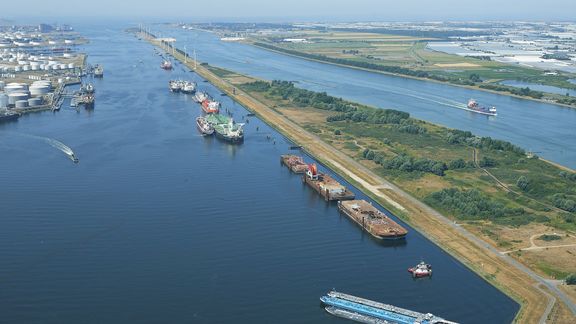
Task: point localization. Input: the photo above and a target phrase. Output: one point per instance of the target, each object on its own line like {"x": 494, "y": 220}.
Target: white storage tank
{"x": 13, "y": 97}
{"x": 21, "y": 104}
{"x": 39, "y": 90}
{"x": 3, "y": 100}
{"x": 13, "y": 88}
{"x": 34, "y": 102}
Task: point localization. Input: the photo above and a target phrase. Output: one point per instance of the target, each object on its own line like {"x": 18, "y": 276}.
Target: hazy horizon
{"x": 299, "y": 10}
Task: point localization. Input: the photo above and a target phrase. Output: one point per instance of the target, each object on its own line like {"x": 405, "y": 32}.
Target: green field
{"x": 381, "y": 52}
{"x": 429, "y": 161}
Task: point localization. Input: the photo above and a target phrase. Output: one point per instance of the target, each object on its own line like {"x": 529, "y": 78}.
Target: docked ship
{"x": 6, "y": 115}
{"x": 166, "y": 65}
{"x": 88, "y": 100}
{"x": 294, "y": 162}
{"x": 210, "y": 107}
{"x": 473, "y": 106}
{"x": 98, "y": 71}
{"x": 225, "y": 128}
{"x": 325, "y": 185}
{"x": 204, "y": 126}
{"x": 175, "y": 85}
{"x": 201, "y": 96}
{"x": 369, "y": 311}
{"x": 188, "y": 87}
{"x": 372, "y": 220}
{"x": 422, "y": 269}
{"x": 89, "y": 88}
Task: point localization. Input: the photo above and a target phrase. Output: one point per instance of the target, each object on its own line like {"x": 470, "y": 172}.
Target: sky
{"x": 295, "y": 10}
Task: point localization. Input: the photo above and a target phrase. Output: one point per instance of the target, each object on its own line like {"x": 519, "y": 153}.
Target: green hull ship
{"x": 225, "y": 128}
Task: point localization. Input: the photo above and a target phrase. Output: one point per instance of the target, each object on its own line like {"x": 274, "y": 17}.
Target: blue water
{"x": 539, "y": 87}
{"x": 544, "y": 128}
{"x": 157, "y": 224}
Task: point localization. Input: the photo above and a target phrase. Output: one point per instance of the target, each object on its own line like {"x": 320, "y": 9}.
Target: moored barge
{"x": 294, "y": 162}
{"x": 325, "y": 185}
{"x": 372, "y": 220}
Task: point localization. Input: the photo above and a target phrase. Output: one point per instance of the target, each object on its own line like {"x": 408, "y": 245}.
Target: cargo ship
{"x": 6, "y": 115}
{"x": 166, "y": 65}
{"x": 204, "y": 127}
{"x": 325, "y": 185}
{"x": 473, "y": 106}
{"x": 201, "y": 96}
{"x": 422, "y": 269}
{"x": 210, "y": 107}
{"x": 294, "y": 162}
{"x": 372, "y": 220}
{"x": 368, "y": 311}
{"x": 188, "y": 87}
{"x": 225, "y": 128}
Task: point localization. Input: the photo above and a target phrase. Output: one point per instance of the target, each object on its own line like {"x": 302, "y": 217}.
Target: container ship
{"x": 225, "y": 128}
{"x": 166, "y": 65}
{"x": 294, "y": 163}
{"x": 473, "y": 106}
{"x": 368, "y": 311}
{"x": 210, "y": 107}
{"x": 372, "y": 220}
{"x": 325, "y": 185}
{"x": 204, "y": 126}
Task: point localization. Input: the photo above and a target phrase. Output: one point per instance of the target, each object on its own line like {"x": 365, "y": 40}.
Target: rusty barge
{"x": 295, "y": 163}
{"x": 325, "y": 185}
{"x": 372, "y": 220}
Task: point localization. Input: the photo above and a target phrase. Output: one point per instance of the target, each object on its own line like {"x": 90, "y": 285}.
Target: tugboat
{"x": 166, "y": 65}
{"x": 473, "y": 106}
{"x": 204, "y": 126}
{"x": 422, "y": 269}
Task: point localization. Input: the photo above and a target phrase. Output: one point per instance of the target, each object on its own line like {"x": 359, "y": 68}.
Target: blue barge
{"x": 368, "y": 311}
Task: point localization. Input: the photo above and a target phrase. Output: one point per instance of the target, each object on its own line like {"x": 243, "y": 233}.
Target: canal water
{"x": 548, "y": 130}
{"x": 157, "y": 224}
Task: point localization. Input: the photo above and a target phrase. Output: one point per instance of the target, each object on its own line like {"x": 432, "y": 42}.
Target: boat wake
{"x": 55, "y": 144}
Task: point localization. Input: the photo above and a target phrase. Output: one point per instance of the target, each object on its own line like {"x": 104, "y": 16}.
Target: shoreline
{"x": 480, "y": 258}
{"x": 413, "y": 77}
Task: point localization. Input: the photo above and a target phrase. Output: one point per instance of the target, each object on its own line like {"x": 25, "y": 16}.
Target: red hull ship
{"x": 210, "y": 107}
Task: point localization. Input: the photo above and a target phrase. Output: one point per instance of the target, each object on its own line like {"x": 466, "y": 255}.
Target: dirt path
{"x": 534, "y": 246}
